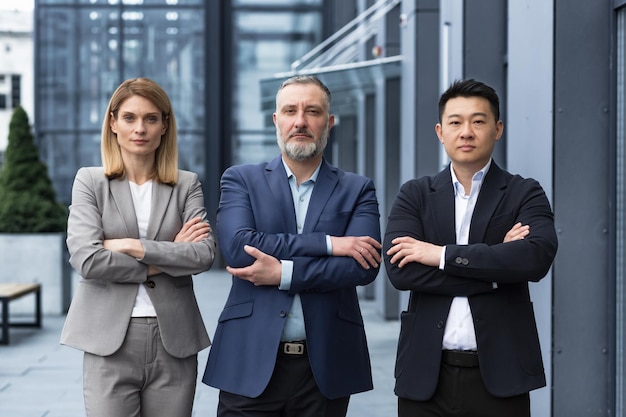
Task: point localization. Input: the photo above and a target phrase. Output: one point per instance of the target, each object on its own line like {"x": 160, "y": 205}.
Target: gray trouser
{"x": 141, "y": 379}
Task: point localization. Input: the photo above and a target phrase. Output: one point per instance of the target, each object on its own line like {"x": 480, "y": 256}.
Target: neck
{"x": 302, "y": 169}
{"x": 139, "y": 170}
{"x": 464, "y": 175}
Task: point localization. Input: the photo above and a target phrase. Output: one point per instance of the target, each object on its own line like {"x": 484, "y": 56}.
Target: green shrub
{"x": 27, "y": 198}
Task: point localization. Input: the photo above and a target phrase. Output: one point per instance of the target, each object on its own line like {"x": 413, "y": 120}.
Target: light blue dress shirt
{"x": 294, "y": 326}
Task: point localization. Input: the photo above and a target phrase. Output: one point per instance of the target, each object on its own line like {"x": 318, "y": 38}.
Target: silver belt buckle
{"x": 293, "y": 348}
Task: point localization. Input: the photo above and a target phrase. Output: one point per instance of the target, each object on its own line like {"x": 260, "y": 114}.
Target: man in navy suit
{"x": 465, "y": 243}
{"x": 298, "y": 236}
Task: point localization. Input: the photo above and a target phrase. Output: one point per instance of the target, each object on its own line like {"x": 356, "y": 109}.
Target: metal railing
{"x": 345, "y": 45}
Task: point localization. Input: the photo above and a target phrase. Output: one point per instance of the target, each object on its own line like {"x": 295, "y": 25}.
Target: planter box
{"x": 41, "y": 258}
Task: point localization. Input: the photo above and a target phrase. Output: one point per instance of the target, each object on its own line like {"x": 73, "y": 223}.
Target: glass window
{"x": 88, "y": 47}
{"x": 266, "y": 42}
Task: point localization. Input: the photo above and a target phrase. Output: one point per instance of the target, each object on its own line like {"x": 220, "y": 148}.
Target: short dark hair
{"x": 470, "y": 88}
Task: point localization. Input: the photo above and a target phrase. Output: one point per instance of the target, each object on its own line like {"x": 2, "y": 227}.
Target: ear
{"x": 499, "y": 129}
{"x": 331, "y": 121}
{"x": 438, "y": 131}
{"x": 113, "y": 123}
{"x": 165, "y": 125}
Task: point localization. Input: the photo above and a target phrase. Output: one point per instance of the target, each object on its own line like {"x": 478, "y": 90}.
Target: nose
{"x": 300, "y": 120}
{"x": 139, "y": 126}
{"x": 467, "y": 131}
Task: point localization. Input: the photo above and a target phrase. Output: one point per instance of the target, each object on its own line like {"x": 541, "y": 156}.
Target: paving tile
{"x": 41, "y": 378}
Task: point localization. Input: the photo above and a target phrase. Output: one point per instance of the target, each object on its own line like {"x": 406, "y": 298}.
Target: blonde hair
{"x": 166, "y": 158}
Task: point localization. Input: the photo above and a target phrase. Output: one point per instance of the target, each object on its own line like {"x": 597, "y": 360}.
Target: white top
{"x": 142, "y": 200}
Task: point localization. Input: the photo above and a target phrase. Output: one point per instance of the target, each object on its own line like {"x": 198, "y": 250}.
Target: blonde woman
{"x": 137, "y": 231}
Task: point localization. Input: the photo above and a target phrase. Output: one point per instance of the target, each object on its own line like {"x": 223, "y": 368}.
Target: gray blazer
{"x": 103, "y": 301}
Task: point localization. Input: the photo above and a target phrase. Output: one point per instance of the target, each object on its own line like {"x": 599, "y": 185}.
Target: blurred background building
{"x": 16, "y": 68}
{"x": 559, "y": 67}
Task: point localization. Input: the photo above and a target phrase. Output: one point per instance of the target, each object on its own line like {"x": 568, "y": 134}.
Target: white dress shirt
{"x": 459, "y": 333}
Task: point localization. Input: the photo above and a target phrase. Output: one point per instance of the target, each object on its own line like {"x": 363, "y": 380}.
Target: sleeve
{"x": 237, "y": 226}
{"x": 329, "y": 273}
{"x": 85, "y": 237}
{"x": 523, "y": 260}
{"x": 407, "y": 218}
{"x": 183, "y": 258}
{"x": 313, "y": 268}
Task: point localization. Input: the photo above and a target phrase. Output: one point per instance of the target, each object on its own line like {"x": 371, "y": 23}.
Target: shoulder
{"x": 93, "y": 175}
{"x": 187, "y": 176}
{"x": 248, "y": 170}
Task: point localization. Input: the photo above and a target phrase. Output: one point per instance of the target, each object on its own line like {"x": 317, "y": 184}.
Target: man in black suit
{"x": 465, "y": 243}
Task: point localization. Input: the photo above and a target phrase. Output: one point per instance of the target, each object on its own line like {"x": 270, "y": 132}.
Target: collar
{"x": 313, "y": 176}
{"x": 477, "y": 177}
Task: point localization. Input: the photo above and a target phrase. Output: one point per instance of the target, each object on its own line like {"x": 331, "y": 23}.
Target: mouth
{"x": 300, "y": 135}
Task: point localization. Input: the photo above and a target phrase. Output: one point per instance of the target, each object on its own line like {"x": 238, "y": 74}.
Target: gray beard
{"x": 302, "y": 151}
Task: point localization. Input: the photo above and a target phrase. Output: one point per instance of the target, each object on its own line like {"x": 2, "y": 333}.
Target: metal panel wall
{"x": 583, "y": 371}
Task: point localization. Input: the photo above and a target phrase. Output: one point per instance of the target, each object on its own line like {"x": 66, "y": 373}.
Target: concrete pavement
{"x": 40, "y": 378}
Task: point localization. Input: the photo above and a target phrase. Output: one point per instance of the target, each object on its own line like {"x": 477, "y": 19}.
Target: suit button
{"x": 150, "y": 284}
{"x": 283, "y": 314}
{"x": 465, "y": 261}
{"x": 440, "y": 325}
{"x": 458, "y": 260}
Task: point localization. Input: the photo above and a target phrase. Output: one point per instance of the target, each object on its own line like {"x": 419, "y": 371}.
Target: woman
{"x": 137, "y": 231}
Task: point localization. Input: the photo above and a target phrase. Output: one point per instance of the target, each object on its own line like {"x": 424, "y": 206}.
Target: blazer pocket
{"x": 236, "y": 311}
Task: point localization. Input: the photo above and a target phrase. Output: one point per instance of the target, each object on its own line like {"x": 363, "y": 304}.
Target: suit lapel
{"x": 279, "y": 188}
{"x": 120, "y": 191}
{"x": 443, "y": 202}
{"x": 161, "y": 194}
{"x": 322, "y": 191}
{"x": 491, "y": 192}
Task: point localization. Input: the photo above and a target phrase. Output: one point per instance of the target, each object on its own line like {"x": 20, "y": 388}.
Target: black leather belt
{"x": 292, "y": 348}
{"x": 460, "y": 358}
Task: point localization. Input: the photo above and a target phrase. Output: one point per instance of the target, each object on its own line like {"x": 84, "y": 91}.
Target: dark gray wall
{"x": 583, "y": 288}
{"x": 218, "y": 93}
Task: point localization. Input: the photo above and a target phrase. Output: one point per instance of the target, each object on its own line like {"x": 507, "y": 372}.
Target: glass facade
{"x": 266, "y": 40}
{"x": 85, "y": 49}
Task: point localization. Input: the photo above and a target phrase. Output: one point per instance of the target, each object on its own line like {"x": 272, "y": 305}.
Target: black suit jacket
{"x": 506, "y": 333}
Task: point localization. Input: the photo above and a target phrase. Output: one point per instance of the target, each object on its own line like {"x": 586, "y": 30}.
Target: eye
{"x": 152, "y": 119}
{"x": 128, "y": 118}
{"x": 314, "y": 112}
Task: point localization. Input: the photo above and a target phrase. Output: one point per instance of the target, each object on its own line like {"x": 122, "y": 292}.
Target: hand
{"x": 407, "y": 249}
{"x": 364, "y": 249}
{"x": 517, "y": 232}
{"x": 266, "y": 270}
{"x": 194, "y": 230}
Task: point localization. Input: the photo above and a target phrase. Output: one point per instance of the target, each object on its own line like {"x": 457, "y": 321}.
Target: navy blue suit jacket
{"x": 508, "y": 345}
{"x": 256, "y": 208}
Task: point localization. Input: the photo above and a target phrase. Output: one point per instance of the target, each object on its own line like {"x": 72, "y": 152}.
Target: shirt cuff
{"x": 442, "y": 259}
{"x": 286, "y": 274}
{"x": 329, "y": 246}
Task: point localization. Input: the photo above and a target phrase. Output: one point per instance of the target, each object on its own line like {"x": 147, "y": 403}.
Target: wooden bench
{"x": 13, "y": 291}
